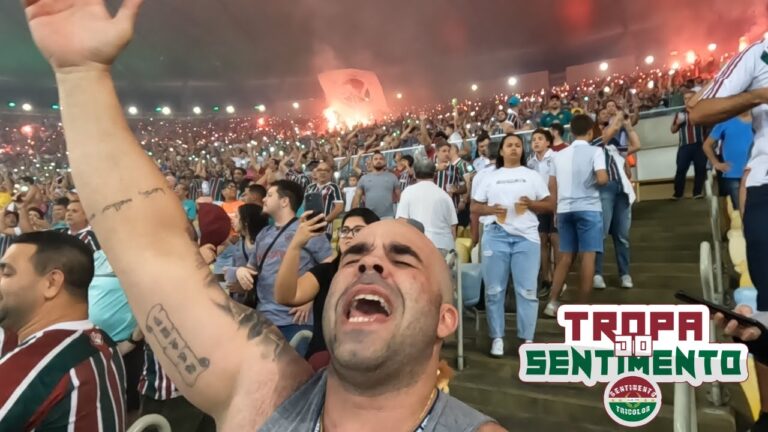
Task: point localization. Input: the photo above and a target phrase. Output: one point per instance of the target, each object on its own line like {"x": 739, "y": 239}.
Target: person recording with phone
{"x": 331, "y": 199}
{"x": 294, "y": 290}
{"x": 258, "y": 278}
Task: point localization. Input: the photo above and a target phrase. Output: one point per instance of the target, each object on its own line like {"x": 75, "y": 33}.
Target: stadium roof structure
{"x": 267, "y": 50}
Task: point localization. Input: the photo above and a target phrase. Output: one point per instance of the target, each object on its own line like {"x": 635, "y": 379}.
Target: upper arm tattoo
{"x": 174, "y": 346}
{"x": 258, "y": 328}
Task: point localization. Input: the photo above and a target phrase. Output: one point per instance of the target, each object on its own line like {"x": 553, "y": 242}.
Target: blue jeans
{"x": 504, "y": 253}
{"x": 729, "y": 187}
{"x": 755, "y": 209}
{"x": 617, "y": 217}
{"x": 290, "y": 331}
{"x": 688, "y": 154}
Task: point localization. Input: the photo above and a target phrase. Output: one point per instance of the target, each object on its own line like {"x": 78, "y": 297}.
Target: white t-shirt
{"x": 433, "y": 207}
{"x": 574, "y": 168}
{"x": 748, "y": 71}
{"x": 543, "y": 166}
{"x": 477, "y": 185}
{"x": 480, "y": 163}
{"x": 349, "y": 196}
{"x": 505, "y": 186}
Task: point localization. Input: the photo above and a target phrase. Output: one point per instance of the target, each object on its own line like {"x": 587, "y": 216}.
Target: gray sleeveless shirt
{"x": 301, "y": 411}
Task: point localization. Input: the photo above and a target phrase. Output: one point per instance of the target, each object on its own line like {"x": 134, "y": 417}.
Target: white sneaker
{"x": 497, "y": 347}
{"x": 598, "y": 282}
{"x": 551, "y": 309}
{"x": 626, "y": 281}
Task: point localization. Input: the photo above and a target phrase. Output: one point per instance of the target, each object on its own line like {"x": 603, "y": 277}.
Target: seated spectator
{"x": 251, "y": 221}
{"x": 431, "y": 206}
{"x": 62, "y": 359}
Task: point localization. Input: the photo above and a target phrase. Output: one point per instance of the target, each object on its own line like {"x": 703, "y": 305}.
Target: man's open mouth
{"x": 367, "y": 307}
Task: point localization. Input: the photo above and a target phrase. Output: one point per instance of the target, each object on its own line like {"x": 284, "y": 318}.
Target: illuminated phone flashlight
{"x": 337, "y": 175}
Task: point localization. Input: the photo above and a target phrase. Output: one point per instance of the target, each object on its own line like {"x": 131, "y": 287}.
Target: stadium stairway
{"x": 665, "y": 238}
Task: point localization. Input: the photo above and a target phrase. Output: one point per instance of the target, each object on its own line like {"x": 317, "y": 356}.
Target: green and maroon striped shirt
{"x": 68, "y": 377}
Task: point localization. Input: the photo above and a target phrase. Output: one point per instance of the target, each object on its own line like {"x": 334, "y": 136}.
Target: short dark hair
{"x": 290, "y": 190}
{"x": 242, "y": 170}
{"x": 27, "y": 179}
{"x": 500, "y": 159}
{"x": 482, "y": 137}
{"x": 559, "y": 128}
{"x": 493, "y": 149}
{"x": 257, "y": 189}
{"x": 61, "y": 251}
{"x": 353, "y": 175}
{"x": 547, "y": 135}
{"x": 39, "y": 212}
{"x": 227, "y": 183}
{"x": 367, "y": 215}
{"x": 581, "y": 125}
{"x": 63, "y": 201}
{"x": 554, "y": 96}
{"x": 376, "y": 152}
{"x": 409, "y": 159}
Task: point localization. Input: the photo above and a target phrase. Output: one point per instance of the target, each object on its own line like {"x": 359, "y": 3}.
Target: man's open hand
{"x": 80, "y": 35}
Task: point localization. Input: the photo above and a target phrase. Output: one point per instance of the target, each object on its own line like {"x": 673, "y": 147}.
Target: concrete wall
{"x": 588, "y": 71}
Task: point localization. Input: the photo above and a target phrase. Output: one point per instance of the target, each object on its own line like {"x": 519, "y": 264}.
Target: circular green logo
{"x": 632, "y": 400}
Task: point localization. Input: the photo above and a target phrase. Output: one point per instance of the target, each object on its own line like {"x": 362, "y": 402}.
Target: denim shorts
{"x": 580, "y": 231}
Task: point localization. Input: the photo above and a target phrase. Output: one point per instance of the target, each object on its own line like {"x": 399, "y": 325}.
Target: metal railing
{"x": 155, "y": 421}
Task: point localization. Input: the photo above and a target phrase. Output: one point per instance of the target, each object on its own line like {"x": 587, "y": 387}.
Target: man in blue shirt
{"x": 736, "y": 136}
{"x": 282, "y": 202}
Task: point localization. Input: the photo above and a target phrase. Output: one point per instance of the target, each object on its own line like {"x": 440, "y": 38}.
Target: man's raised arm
{"x": 211, "y": 347}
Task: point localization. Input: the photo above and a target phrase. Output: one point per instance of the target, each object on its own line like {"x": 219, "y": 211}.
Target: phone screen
{"x": 716, "y": 308}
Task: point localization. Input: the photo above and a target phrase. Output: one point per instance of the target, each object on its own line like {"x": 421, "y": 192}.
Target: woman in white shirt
{"x": 513, "y": 194}
{"x": 541, "y": 162}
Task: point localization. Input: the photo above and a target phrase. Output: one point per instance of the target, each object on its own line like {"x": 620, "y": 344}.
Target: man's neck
{"x": 47, "y": 318}
{"x": 77, "y": 228}
{"x": 284, "y": 217}
{"x": 347, "y": 409}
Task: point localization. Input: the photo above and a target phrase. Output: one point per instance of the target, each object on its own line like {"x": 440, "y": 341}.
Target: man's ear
{"x": 448, "y": 321}
{"x": 54, "y": 284}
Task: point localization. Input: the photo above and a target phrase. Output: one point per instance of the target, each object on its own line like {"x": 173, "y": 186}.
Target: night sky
{"x": 245, "y": 50}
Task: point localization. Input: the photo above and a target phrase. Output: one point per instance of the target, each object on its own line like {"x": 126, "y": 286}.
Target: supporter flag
{"x": 355, "y": 95}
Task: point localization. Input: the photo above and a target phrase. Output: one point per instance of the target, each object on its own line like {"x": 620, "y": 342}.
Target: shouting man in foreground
{"x": 388, "y": 310}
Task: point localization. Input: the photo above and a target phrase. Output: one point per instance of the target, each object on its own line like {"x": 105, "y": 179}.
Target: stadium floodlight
{"x": 26, "y": 107}
{"x": 603, "y": 66}
{"x": 474, "y": 87}
{"x": 230, "y": 109}
{"x": 166, "y": 111}
{"x": 132, "y": 110}
{"x": 296, "y": 105}
{"x": 197, "y": 110}
{"x": 649, "y": 60}
{"x": 512, "y": 81}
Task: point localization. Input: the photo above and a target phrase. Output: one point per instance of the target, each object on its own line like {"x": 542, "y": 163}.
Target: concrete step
{"x": 656, "y": 269}
{"x": 642, "y": 282}
{"x": 578, "y": 406}
{"x": 651, "y": 256}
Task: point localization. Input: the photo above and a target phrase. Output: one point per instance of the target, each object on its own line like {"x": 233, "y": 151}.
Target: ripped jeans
{"x": 504, "y": 253}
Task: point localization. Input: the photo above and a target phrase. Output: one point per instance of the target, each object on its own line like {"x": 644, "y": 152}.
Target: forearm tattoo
{"x": 150, "y": 192}
{"x": 116, "y": 206}
{"x": 173, "y": 345}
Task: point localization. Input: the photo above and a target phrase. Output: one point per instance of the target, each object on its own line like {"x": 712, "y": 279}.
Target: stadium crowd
{"x": 292, "y": 246}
